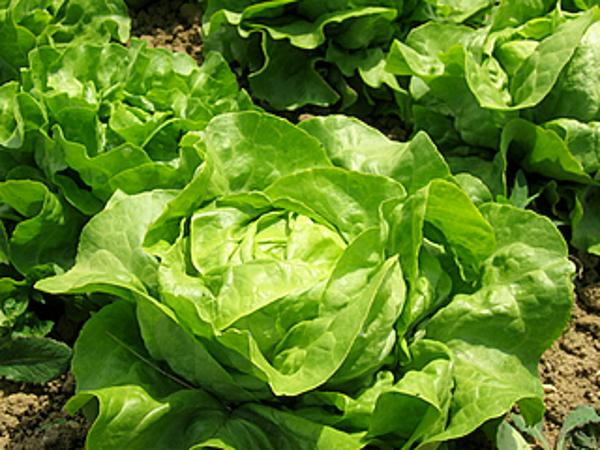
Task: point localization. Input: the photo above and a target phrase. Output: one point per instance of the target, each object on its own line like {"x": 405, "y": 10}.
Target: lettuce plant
{"x": 81, "y": 117}
{"x": 38, "y": 227}
{"x": 518, "y": 93}
{"x": 25, "y": 25}
{"x": 312, "y": 286}
{"x": 327, "y": 53}
{"x": 298, "y": 53}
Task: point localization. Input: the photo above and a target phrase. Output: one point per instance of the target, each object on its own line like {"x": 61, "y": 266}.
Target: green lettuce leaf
{"x": 141, "y": 404}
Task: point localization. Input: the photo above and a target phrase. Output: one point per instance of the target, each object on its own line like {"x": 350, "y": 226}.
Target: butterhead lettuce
{"x": 82, "y": 116}
{"x": 312, "y": 287}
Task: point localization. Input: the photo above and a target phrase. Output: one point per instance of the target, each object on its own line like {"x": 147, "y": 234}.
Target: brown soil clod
{"x": 32, "y": 417}
{"x": 590, "y": 297}
{"x": 174, "y": 25}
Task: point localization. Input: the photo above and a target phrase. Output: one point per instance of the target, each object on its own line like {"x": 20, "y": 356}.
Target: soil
{"x": 171, "y": 24}
{"x": 570, "y": 369}
{"x": 32, "y": 417}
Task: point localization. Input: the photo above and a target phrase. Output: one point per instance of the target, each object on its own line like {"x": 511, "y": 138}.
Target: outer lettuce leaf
{"x": 353, "y": 145}
{"x": 110, "y": 252}
{"x": 541, "y": 151}
{"x": 481, "y": 373}
{"x": 311, "y": 34}
{"x": 425, "y": 389}
{"x": 581, "y": 140}
{"x": 192, "y": 419}
{"x": 140, "y": 404}
{"x": 461, "y": 225}
{"x": 238, "y": 145}
{"x": 167, "y": 341}
{"x": 500, "y": 351}
{"x": 48, "y": 230}
{"x": 284, "y": 65}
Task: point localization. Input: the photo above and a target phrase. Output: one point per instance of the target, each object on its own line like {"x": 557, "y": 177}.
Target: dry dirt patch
{"x": 174, "y": 25}
{"x": 570, "y": 369}
{"x": 32, "y": 417}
